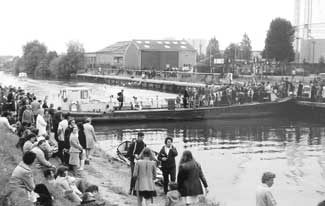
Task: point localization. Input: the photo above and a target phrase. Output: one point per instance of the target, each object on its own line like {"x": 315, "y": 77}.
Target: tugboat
{"x": 22, "y": 76}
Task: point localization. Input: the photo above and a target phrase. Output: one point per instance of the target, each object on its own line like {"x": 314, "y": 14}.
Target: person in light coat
{"x": 22, "y": 176}
{"x": 41, "y": 123}
{"x": 90, "y": 138}
{"x": 145, "y": 173}
{"x": 264, "y": 196}
{"x": 75, "y": 149}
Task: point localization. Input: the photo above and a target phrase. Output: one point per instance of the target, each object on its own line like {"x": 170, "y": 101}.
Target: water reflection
{"x": 270, "y": 136}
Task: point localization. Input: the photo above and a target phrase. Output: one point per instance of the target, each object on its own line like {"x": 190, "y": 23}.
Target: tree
{"x": 278, "y": 43}
{"x": 73, "y": 61}
{"x": 212, "y": 51}
{"x": 42, "y": 69}
{"x": 33, "y": 53}
{"x": 232, "y": 51}
{"x": 245, "y": 48}
{"x": 18, "y": 63}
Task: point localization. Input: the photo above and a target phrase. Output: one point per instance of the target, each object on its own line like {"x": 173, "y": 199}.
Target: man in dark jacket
{"x": 300, "y": 87}
{"x": 167, "y": 156}
{"x": 120, "y": 99}
{"x": 133, "y": 154}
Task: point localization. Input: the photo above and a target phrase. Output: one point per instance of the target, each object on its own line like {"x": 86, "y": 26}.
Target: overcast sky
{"x": 98, "y": 23}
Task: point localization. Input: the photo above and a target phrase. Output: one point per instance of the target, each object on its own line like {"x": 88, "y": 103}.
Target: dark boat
{"x": 247, "y": 110}
{"x": 309, "y": 110}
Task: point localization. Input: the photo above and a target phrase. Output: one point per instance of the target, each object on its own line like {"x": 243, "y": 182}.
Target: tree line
{"x": 38, "y": 62}
{"x": 278, "y": 45}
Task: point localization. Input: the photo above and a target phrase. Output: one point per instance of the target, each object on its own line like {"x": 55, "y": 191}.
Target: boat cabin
{"x": 80, "y": 100}
{"x": 22, "y": 75}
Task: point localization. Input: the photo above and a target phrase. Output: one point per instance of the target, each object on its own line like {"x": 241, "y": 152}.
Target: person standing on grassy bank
{"x": 189, "y": 179}
{"x": 90, "y": 138}
{"x": 133, "y": 154}
{"x": 144, "y": 174}
{"x": 167, "y": 156}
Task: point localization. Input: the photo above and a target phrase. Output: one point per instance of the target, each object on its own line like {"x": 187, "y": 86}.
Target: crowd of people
{"x": 52, "y": 145}
{"x": 230, "y": 94}
{"x": 47, "y": 135}
{"x": 183, "y": 189}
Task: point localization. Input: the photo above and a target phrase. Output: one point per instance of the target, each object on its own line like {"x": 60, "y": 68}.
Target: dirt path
{"x": 113, "y": 178}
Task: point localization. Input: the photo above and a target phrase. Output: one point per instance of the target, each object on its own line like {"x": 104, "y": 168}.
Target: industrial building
{"x": 112, "y": 55}
{"x": 159, "y": 54}
{"x": 309, "y": 23}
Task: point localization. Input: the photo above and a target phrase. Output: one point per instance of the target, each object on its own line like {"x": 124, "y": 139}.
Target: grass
{"x": 10, "y": 156}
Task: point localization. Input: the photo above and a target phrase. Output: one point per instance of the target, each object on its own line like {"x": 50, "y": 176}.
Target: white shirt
{"x": 167, "y": 150}
{"x": 41, "y": 125}
{"x": 5, "y": 123}
{"x": 63, "y": 125}
{"x": 264, "y": 196}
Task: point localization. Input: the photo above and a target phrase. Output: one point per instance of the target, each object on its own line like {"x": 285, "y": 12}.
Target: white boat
{"x": 80, "y": 100}
{"x": 22, "y": 76}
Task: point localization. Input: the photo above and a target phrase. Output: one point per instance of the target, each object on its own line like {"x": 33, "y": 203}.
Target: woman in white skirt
{"x": 75, "y": 150}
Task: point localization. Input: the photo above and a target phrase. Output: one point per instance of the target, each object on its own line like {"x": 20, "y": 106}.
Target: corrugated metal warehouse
{"x": 159, "y": 54}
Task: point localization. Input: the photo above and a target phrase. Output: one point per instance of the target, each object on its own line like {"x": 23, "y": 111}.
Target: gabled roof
{"x": 163, "y": 45}
{"x": 117, "y": 48}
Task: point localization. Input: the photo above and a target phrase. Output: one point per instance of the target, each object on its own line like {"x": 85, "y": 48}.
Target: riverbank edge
{"x": 10, "y": 156}
{"x": 110, "y": 175}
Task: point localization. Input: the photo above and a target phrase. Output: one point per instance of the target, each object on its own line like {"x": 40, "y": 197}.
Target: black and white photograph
{"x": 162, "y": 103}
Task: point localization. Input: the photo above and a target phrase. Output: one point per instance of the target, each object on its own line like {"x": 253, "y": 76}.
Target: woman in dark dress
{"x": 82, "y": 141}
{"x": 189, "y": 179}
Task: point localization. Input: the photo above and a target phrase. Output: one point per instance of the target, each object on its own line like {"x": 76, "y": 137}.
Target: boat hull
{"x": 252, "y": 110}
{"x": 312, "y": 111}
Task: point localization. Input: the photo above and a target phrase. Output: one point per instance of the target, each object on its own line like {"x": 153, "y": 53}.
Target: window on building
{"x": 84, "y": 94}
{"x": 175, "y": 42}
{"x": 159, "y": 42}
{"x": 146, "y": 46}
{"x": 166, "y": 42}
{"x": 183, "y": 47}
{"x": 183, "y": 42}
{"x": 147, "y": 42}
{"x": 167, "y": 47}
{"x": 139, "y": 42}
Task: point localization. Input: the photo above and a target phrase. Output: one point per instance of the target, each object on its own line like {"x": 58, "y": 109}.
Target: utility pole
{"x": 313, "y": 42}
{"x": 210, "y": 59}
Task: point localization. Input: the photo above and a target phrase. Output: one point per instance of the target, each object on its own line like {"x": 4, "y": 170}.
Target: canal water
{"x": 233, "y": 154}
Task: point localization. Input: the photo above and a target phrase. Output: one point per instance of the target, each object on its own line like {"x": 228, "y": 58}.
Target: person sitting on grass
{"x": 22, "y": 176}
{"x": 49, "y": 176}
{"x": 41, "y": 162}
{"x": 44, "y": 196}
{"x": 29, "y": 142}
{"x": 90, "y": 197}
{"x": 65, "y": 183}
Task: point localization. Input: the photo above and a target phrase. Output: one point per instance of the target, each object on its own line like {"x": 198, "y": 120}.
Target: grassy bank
{"x": 10, "y": 156}
{"x": 111, "y": 176}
